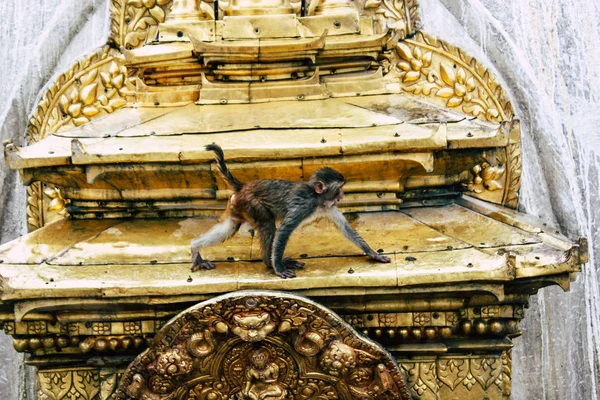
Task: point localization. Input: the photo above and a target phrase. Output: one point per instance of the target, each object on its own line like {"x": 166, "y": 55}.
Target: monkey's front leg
{"x": 284, "y": 267}
{"x": 349, "y": 232}
{"x": 266, "y": 232}
{"x": 379, "y": 257}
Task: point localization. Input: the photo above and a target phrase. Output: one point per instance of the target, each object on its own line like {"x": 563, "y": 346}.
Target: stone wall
{"x": 546, "y": 53}
{"x": 40, "y": 38}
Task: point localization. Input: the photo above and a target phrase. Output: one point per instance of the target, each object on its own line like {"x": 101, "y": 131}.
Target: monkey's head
{"x": 328, "y": 184}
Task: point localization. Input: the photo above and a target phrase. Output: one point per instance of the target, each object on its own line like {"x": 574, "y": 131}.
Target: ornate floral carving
{"x": 452, "y": 372}
{"x": 9, "y": 327}
{"x": 101, "y": 328}
{"x": 490, "y": 311}
{"x": 93, "y": 86}
{"x": 430, "y": 67}
{"x": 485, "y": 177}
{"x": 68, "y": 384}
{"x": 422, "y": 319}
{"x": 37, "y": 328}
{"x": 57, "y": 204}
{"x": 469, "y": 372}
{"x": 356, "y": 320}
{"x": 130, "y": 20}
{"x": 387, "y": 320}
{"x": 401, "y": 15}
{"x": 421, "y": 377}
{"x": 261, "y": 345}
{"x": 131, "y": 328}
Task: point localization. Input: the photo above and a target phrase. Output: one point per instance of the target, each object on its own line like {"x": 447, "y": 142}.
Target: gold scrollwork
{"x": 261, "y": 345}
{"x": 506, "y": 381}
{"x": 131, "y": 19}
{"x": 35, "y": 211}
{"x": 511, "y": 196}
{"x": 430, "y": 67}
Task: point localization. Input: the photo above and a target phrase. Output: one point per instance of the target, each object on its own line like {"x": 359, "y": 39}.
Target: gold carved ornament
{"x": 400, "y": 15}
{"x": 261, "y": 345}
{"x": 94, "y": 86}
{"x": 511, "y": 194}
{"x": 68, "y": 384}
{"x": 130, "y": 20}
{"x": 443, "y": 73}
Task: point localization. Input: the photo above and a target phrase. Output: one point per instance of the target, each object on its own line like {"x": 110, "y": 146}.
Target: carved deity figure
{"x": 262, "y": 378}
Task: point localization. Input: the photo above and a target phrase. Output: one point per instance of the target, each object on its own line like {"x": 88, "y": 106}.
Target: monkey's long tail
{"x": 220, "y": 157}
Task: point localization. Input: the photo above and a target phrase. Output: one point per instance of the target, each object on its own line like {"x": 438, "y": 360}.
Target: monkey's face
{"x": 333, "y": 194}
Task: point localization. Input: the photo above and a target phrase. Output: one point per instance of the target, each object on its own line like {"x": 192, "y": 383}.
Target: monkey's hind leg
{"x": 217, "y": 234}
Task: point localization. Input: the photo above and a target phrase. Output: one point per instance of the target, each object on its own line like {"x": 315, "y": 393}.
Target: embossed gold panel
{"x": 261, "y": 345}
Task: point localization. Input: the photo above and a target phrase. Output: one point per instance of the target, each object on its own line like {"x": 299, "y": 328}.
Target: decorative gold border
{"x": 92, "y": 87}
{"x": 511, "y": 195}
{"x": 35, "y": 210}
{"x": 443, "y": 73}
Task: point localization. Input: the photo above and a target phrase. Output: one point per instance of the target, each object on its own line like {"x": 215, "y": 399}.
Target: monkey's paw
{"x": 380, "y": 257}
{"x": 198, "y": 263}
{"x": 286, "y": 274}
{"x": 290, "y": 263}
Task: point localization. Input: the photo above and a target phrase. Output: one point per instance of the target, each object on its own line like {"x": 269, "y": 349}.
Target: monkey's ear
{"x": 319, "y": 187}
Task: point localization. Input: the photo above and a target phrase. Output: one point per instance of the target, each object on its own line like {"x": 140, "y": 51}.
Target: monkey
{"x": 263, "y": 202}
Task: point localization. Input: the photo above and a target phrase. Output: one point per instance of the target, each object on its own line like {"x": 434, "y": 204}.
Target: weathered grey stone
{"x": 546, "y": 52}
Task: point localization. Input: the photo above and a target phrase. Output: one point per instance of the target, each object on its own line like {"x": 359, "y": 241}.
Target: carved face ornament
{"x": 253, "y": 327}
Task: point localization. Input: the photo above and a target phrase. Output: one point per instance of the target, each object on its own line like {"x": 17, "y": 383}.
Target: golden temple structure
{"x": 100, "y": 294}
